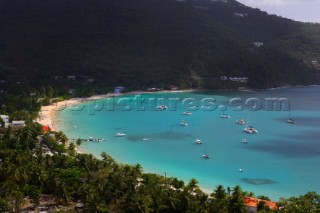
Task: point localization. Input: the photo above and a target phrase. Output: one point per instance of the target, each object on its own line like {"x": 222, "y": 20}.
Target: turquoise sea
{"x": 281, "y": 161}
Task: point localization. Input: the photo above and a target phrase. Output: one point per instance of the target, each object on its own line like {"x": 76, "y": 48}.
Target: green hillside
{"x": 146, "y": 43}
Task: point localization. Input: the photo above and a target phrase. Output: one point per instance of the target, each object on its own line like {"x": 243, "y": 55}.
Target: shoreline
{"x": 46, "y": 116}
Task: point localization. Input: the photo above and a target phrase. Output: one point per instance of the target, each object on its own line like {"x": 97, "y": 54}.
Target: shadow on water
{"x": 160, "y": 135}
{"x": 290, "y": 148}
{"x": 258, "y": 181}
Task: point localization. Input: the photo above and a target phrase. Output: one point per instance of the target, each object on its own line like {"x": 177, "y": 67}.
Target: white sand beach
{"x": 47, "y": 113}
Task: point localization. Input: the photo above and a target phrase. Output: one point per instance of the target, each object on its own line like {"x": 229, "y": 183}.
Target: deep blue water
{"x": 281, "y": 161}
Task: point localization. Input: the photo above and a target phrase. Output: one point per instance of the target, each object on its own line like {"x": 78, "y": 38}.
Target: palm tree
{"x": 236, "y": 203}
{"x": 78, "y": 143}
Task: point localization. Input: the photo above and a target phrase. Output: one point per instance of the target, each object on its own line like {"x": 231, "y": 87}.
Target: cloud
{"x": 277, "y": 2}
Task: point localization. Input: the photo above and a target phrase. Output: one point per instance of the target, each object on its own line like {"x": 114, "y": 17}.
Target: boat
{"x": 187, "y": 113}
{"x": 183, "y": 123}
{"x": 240, "y": 170}
{"x": 119, "y": 134}
{"x": 245, "y": 141}
{"x": 205, "y": 156}
{"x": 146, "y": 139}
{"x": 240, "y": 121}
{"x": 224, "y": 116}
{"x": 251, "y": 130}
{"x": 90, "y": 139}
{"x": 161, "y": 107}
{"x": 198, "y": 141}
{"x": 291, "y": 121}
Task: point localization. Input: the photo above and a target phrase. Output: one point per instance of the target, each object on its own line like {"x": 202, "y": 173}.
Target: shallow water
{"x": 281, "y": 161}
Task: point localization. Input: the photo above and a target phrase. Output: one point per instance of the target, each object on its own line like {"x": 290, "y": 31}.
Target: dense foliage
{"x": 146, "y": 43}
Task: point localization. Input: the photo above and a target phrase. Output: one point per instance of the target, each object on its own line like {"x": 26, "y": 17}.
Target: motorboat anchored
{"x": 225, "y": 116}
{"x": 205, "y": 156}
{"x": 240, "y": 122}
{"x": 187, "y": 113}
{"x": 183, "y": 123}
{"x": 119, "y": 134}
{"x": 162, "y": 107}
{"x": 198, "y": 141}
{"x": 251, "y": 130}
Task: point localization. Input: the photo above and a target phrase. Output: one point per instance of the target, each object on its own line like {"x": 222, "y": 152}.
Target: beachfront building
{"x": 17, "y": 124}
{"x": 5, "y": 119}
{"x": 257, "y": 44}
{"x": 119, "y": 89}
{"x": 252, "y": 204}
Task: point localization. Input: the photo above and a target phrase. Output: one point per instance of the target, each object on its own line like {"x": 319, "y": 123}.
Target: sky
{"x": 299, "y": 10}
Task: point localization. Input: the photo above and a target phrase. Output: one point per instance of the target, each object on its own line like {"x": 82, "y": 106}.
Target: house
{"x": 257, "y": 43}
{"x": 71, "y": 77}
{"x": 252, "y": 204}
{"x": 45, "y": 129}
{"x": 119, "y": 89}
{"x": 314, "y": 62}
{"x": 239, "y": 79}
{"x": 17, "y": 124}
{"x": 71, "y": 91}
{"x": 90, "y": 80}
{"x": 241, "y": 15}
{"x": 223, "y": 78}
{"x": 5, "y": 119}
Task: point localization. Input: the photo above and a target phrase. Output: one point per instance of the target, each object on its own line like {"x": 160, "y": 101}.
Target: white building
{"x": 5, "y": 118}
{"x": 18, "y": 124}
{"x": 257, "y": 44}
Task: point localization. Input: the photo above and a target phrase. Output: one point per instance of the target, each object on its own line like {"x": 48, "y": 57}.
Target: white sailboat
{"x": 290, "y": 119}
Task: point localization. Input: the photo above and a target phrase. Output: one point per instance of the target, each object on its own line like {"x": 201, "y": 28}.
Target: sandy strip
{"x": 47, "y": 113}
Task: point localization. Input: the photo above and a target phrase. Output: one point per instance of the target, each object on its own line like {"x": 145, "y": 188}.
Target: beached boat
{"x": 198, "y": 141}
{"x": 183, "y": 123}
{"x": 224, "y": 116}
{"x": 187, "y": 113}
{"x": 205, "y": 156}
{"x": 240, "y": 122}
{"x": 119, "y": 134}
{"x": 250, "y": 130}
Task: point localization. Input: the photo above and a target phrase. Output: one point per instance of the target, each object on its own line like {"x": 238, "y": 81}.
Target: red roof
{"x": 253, "y": 202}
{"x": 46, "y": 129}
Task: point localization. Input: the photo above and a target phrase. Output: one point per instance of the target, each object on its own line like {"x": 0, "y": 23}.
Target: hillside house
{"x": 17, "y": 124}
{"x": 252, "y": 204}
{"x": 5, "y": 119}
{"x": 257, "y": 44}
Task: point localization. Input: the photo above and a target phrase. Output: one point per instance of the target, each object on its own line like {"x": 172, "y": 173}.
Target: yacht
{"x": 119, "y": 134}
{"x": 240, "y": 121}
{"x": 187, "y": 113}
{"x": 251, "y": 130}
{"x": 162, "y": 107}
{"x": 183, "y": 123}
{"x": 245, "y": 141}
{"x": 198, "y": 141}
{"x": 225, "y": 116}
{"x": 205, "y": 156}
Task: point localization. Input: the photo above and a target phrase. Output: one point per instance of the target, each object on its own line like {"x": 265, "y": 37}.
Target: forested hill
{"x": 142, "y": 43}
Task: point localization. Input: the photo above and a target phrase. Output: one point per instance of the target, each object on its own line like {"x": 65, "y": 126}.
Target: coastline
{"x": 77, "y": 101}
{"x": 46, "y": 116}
